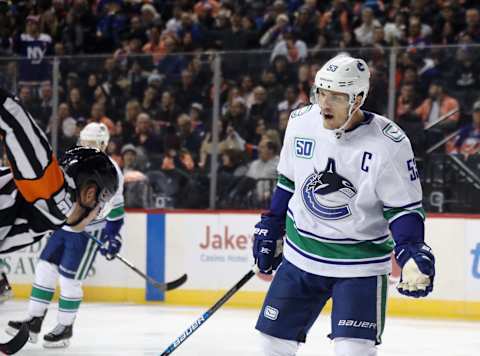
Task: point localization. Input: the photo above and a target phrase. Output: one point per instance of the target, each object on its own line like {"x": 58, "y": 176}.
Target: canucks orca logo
{"x": 326, "y": 194}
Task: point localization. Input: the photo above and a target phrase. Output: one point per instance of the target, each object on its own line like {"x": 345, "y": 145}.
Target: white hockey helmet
{"x": 343, "y": 74}
{"x": 95, "y": 135}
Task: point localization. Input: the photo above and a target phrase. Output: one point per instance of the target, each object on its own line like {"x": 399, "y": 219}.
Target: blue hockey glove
{"x": 268, "y": 243}
{"x": 418, "y": 269}
{"x": 111, "y": 239}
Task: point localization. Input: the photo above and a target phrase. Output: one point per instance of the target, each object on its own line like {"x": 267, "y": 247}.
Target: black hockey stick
{"x": 203, "y": 318}
{"x": 17, "y": 342}
{"x": 160, "y": 286}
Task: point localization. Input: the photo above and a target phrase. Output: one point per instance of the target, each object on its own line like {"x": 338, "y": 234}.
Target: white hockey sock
{"x": 43, "y": 288}
{"x": 345, "y": 346}
{"x": 274, "y": 346}
{"x": 71, "y": 295}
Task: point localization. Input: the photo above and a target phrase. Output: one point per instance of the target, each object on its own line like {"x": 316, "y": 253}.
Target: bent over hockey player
{"x": 69, "y": 255}
{"x": 37, "y": 193}
{"x": 346, "y": 177}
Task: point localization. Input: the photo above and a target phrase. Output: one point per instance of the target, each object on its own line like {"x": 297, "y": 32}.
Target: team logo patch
{"x": 393, "y": 132}
{"x": 270, "y": 313}
{"x": 326, "y": 194}
{"x": 301, "y": 111}
{"x": 304, "y": 147}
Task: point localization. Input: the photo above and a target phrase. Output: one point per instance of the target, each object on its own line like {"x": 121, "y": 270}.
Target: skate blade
{"x": 12, "y": 332}
{"x": 56, "y": 344}
{"x": 6, "y": 296}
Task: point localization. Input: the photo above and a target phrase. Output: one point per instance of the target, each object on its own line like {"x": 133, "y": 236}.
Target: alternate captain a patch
{"x": 327, "y": 194}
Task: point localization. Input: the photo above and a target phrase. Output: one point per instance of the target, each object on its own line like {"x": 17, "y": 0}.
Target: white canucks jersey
{"x": 345, "y": 193}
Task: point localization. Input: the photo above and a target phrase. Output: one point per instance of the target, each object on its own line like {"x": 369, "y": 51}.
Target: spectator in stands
{"x": 187, "y": 92}
{"x": 34, "y": 46}
{"x": 129, "y": 158}
{"x": 145, "y": 138}
{"x": 395, "y": 32}
{"x": 467, "y": 142}
{"x": 291, "y": 47}
{"x": 150, "y": 102}
{"x": 126, "y": 127}
{"x": 154, "y": 45}
{"x": 171, "y": 64}
{"x": 305, "y": 25}
{"x": 406, "y": 103}
{"x": 45, "y": 105}
{"x": 364, "y": 32}
{"x": 282, "y": 123}
{"x": 236, "y": 116}
{"x": 418, "y": 33}
{"x": 111, "y": 25}
{"x": 77, "y": 106}
{"x": 292, "y": 100}
{"x": 97, "y": 114}
{"x": 232, "y": 140}
{"x": 29, "y": 102}
{"x": 189, "y": 138}
{"x": 80, "y": 27}
{"x": 472, "y": 21}
{"x": 437, "y": 105}
{"x": 463, "y": 76}
{"x": 265, "y": 169}
{"x": 283, "y": 71}
{"x": 168, "y": 110}
{"x": 335, "y": 21}
{"x": 262, "y": 107}
{"x": 275, "y": 33}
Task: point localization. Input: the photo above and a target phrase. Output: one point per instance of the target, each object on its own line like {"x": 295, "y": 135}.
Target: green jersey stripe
{"x": 338, "y": 251}
{"x": 117, "y": 212}
{"x": 392, "y": 214}
{"x": 286, "y": 183}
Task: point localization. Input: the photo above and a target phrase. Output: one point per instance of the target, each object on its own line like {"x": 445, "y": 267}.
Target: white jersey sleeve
{"x": 399, "y": 186}
{"x": 287, "y": 156}
{"x": 117, "y": 203}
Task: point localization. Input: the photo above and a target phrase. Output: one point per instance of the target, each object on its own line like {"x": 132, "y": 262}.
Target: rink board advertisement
{"x": 214, "y": 249}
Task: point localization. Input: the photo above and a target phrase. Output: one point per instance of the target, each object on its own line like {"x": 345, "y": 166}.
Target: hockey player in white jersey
{"x": 68, "y": 257}
{"x": 347, "y": 178}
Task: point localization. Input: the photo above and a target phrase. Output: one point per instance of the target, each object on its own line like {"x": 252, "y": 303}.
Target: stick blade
{"x": 17, "y": 342}
{"x": 173, "y": 284}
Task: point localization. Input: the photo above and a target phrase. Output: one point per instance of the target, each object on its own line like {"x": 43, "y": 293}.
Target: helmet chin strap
{"x": 340, "y": 132}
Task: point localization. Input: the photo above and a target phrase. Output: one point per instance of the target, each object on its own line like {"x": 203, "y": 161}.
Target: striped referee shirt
{"x": 35, "y": 194}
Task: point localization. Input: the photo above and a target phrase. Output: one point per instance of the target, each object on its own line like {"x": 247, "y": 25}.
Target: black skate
{"x": 34, "y": 326}
{"x": 5, "y": 289}
{"x": 58, "y": 337}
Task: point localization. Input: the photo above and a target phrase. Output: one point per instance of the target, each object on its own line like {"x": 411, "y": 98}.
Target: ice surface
{"x": 134, "y": 330}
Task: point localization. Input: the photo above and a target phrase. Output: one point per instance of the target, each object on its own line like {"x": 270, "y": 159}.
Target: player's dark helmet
{"x": 89, "y": 165}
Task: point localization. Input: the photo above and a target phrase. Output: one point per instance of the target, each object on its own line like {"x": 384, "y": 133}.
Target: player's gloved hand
{"x": 268, "y": 243}
{"x": 111, "y": 239}
{"x": 418, "y": 269}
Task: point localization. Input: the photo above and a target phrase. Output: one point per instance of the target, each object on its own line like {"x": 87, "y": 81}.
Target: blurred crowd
{"x": 145, "y": 69}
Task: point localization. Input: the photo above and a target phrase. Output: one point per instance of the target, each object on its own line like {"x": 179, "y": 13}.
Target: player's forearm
{"x": 408, "y": 228}
{"x": 279, "y": 203}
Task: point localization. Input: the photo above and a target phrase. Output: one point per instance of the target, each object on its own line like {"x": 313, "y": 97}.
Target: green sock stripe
{"x": 41, "y": 294}
{"x": 69, "y": 305}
